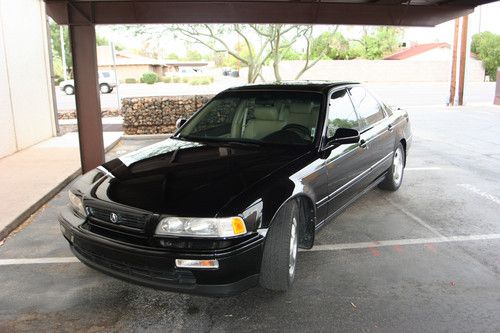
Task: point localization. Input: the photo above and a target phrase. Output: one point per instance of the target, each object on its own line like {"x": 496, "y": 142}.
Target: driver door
{"x": 345, "y": 162}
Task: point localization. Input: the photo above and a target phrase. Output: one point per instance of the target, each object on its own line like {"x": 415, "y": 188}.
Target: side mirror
{"x": 180, "y": 122}
{"x": 343, "y": 136}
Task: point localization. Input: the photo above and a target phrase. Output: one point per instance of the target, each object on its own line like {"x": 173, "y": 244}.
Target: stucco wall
{"x": 26, "y": 106}
{"x": 375, "y": 71}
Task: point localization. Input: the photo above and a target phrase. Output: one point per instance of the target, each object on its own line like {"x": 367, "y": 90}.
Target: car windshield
{"x": 274, "y": 117}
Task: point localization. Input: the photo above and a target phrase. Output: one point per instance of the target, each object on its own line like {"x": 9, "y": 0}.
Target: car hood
{"x": 187, "y": 178}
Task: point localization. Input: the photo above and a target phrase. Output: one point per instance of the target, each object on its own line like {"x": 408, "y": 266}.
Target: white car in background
{"x": 190, "y": 71}
{"x": 107, "y": 82}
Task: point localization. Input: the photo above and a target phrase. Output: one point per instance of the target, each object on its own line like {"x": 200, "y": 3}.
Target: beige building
{"x": 26, "y": 101}
{"x": 131, "y": 66}
{"x": 128, "y": 64}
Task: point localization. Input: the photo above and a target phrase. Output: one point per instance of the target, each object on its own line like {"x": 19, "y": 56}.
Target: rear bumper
{"x": 238, "y": 267}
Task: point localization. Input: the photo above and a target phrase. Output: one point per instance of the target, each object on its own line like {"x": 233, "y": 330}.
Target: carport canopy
{"x": 83, "y": 15}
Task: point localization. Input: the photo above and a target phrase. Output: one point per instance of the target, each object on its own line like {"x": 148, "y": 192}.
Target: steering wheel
{"x": 301, "y": 130}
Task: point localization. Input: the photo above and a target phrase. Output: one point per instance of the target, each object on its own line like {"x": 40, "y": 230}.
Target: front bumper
{"x": 238, "y": 270}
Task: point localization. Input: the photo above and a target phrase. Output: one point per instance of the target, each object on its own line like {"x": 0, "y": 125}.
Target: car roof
{"x": 316, "y": 86}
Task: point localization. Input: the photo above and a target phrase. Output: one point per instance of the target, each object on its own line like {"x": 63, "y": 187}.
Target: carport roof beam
{"x": 365, "y": 12}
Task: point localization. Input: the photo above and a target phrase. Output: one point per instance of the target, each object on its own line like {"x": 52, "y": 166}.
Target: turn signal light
{"x": 189, "y": 263}
{"x": 238, "y": 225}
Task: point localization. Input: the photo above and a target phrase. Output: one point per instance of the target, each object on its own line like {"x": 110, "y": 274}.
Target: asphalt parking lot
{"x": 425, "y": 258}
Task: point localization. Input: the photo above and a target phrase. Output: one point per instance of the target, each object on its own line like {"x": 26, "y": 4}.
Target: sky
{"x": 484, "y": 18}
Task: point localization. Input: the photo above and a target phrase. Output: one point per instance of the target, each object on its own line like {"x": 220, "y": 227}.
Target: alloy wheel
{"x": 293, "y": 249}
{"x": 398, "y": 166}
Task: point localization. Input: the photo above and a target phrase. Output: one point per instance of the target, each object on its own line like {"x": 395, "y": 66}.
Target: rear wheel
{"x": 280, "y": 250}
{"x": 105, "y": 88}
{"x": 394, "y": 176}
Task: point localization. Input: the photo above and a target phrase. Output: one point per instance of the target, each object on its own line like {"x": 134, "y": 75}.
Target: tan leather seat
{"x": 305, "y": 114}
{"x": 266, "y": 122}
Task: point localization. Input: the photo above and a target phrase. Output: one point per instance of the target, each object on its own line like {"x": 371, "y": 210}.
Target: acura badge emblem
{"x": 113, "y": 218}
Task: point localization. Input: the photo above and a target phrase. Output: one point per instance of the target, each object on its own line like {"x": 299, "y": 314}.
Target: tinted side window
{"x": 341, "y": 113}
{"x": 366, "y": 105}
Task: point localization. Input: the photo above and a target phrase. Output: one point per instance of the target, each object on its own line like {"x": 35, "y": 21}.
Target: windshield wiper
{"x": 221, "y": 141}
{"x": 239, "y": 143}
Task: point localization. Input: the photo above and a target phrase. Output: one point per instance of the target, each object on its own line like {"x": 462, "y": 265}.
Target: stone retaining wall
{"x": 104, "y": 114}
{"x": 157, "y": 115}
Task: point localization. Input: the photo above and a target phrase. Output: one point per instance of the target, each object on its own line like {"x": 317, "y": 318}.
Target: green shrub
{"x": 149, "y": 78}
{"x": 130, "y": 80}
{"x": 176, "y": 79}
{"x": 166, "y": 79}
{"x": 58, "y": 80}
{"x": 201, "y": 80}
{"x": 487, "y": 47}
{"x": 185, "y": 79}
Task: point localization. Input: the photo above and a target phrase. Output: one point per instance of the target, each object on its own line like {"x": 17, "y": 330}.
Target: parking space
{"x": 425, "y": 258}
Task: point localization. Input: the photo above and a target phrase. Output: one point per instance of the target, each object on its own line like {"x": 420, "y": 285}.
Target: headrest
{"x": 301, "y": 107}
{"x": 265, "y": 113}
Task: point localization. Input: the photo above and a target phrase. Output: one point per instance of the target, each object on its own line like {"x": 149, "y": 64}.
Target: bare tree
{"x": 212, "y": 36}
{"x": 263, "y": 43}
{"x": 283, "y": 37}
{"x": 274, "y": 41}
{"x": 308, "y": 35}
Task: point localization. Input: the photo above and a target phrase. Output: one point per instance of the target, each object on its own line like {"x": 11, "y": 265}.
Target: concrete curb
{"x": 20, "y": 219}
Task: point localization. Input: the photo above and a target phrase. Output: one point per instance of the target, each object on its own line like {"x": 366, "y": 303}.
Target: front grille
{"x": 140, "y": 271}
{"x": 133, "y": 220}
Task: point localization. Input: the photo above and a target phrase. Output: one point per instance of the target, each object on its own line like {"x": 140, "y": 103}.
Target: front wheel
{"x": 394, "y": 176}
{"x": 280, "y": 250}
{"x": 69, "y": 90}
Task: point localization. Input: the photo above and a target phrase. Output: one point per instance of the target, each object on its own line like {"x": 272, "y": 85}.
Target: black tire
{"x": 276, "y": 272}
{"x": 105, "y": 88}
{"x": 69, "y": 90}
{"x": 394, "y": 176}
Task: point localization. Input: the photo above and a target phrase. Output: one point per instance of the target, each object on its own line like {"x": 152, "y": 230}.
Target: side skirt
{"x": 353, "y": 199}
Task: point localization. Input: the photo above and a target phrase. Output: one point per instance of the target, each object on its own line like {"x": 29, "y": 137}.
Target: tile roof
{"x": 415, "y": 50}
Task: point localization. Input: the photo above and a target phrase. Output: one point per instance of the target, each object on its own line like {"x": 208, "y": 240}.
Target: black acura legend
{"x": 225, "y": 203}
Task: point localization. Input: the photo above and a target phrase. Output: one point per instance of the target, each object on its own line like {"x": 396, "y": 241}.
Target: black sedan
{"x": 225, "y": 203}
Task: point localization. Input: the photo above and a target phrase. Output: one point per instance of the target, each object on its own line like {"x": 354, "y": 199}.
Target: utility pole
{"x": 63, "y": 53}
{"x": 117, "y": 81}
{"x": 453, "y": 79}
{"x": 463, "y": 59}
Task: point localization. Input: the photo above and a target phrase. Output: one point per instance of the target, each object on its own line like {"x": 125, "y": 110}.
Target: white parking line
{"x": 366, "y": 245}
{"x": 31, "y": 261}
{"x": 477, "y": 191}
{"x": 416, "y": 218}
{"x": 422, "y": 169}
{"x": 326, "y": 247}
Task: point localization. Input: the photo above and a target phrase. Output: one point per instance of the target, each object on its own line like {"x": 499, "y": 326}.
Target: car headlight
{"x": 201, "y": 227}
{"x": 76, "y": 202}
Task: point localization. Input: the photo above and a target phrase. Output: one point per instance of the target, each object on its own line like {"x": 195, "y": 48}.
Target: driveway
{"x": 425, "y": 258}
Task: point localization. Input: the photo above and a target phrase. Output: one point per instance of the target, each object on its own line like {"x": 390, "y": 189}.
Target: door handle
{"x": 363, "y": 144}
{"x": 390, "y": 128}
